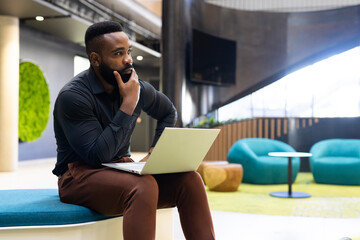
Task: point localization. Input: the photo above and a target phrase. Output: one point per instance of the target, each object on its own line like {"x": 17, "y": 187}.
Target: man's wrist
{"x": 150, "y": 150}
{"x": 128, "y": 107}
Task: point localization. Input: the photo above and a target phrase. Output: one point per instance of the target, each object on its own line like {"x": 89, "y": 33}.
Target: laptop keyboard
{"x": 135, "y": 166}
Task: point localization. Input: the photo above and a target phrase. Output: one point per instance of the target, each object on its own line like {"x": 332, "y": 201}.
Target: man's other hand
{"x": 145, "y": 158}
{"x": 147, "y": 155}
{"x": 123, "y": 160}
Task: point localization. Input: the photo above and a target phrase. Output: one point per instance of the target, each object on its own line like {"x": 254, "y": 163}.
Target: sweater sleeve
{"x": 158, "y": 106}
{"x": 84, "y": 133}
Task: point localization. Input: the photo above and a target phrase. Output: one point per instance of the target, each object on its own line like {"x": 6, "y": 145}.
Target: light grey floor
{"x": 228, "y": 225}
{"x": 236, "y": 226}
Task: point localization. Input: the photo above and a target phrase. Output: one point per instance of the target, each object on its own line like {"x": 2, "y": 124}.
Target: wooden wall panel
{"x": 285, "y": 126}
{"x": 252, "y": 128}
{"x": 260, "y": 127}
{"x": 266, "y": 128}
{"x": 278, "y": 127}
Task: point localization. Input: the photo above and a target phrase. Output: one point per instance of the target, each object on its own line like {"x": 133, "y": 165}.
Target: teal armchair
{"x": 336, "y": 161}
{"x": 259, "y": 167}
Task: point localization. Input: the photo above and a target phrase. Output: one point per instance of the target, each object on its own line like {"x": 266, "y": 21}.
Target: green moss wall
{"x": 34, "y": 102}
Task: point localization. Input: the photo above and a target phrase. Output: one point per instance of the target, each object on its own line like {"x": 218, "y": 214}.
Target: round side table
{"x": 290, "y": 193}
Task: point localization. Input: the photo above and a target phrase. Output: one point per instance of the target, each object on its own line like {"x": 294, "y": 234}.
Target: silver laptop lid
{"x": 180, "y": 150}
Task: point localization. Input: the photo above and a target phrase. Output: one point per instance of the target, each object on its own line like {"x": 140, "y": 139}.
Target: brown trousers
{"x": 113, "y": 192}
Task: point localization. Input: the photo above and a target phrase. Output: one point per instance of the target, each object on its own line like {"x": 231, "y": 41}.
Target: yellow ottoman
{"x": 204, "y": 164}
{"x": 223, "y": 178}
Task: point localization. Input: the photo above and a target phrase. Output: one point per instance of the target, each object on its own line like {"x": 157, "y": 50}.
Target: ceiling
{"x": 62, "y": 22}
{"x": 283, "y": 5}
{"x": 69, "y": 19}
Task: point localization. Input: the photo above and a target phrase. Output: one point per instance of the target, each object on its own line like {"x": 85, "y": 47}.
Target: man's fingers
{"x": 126, "y": 159}
{"x": 118, "y": 78}
{"x": 132, "y": 73}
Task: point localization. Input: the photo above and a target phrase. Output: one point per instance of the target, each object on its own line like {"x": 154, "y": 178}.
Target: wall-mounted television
{"x": 212, "y": 59}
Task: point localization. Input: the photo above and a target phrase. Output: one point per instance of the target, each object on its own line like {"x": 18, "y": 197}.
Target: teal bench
{"x": 39, "y": 214}
{"x": 34, "y": 207}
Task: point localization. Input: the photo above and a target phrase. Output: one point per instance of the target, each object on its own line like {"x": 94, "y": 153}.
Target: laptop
{"x": 177, "y": 150}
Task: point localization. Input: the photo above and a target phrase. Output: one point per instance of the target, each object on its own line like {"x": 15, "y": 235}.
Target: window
{"x": 329, "y": 88}
{"x": 80, "y": 64}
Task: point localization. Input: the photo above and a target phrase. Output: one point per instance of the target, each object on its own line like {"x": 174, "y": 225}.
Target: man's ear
{"x": 95, "y": 59}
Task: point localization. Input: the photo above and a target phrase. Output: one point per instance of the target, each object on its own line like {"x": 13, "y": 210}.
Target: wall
{"x": 269, "y": 46}
{"x": 56, "y": 59}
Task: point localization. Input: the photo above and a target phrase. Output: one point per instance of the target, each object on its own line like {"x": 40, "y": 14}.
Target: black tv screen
{"x": 213, "y": 59}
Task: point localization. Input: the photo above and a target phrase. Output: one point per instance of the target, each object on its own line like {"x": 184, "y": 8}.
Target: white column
{"x": 9, "y": 92}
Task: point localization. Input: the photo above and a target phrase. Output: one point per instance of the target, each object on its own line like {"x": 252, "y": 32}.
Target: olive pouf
{"x": 223, "y": 178}
{"x": 204, "y": 164}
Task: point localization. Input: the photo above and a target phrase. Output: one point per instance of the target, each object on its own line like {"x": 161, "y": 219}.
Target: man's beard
{"x": 108, "y": 74}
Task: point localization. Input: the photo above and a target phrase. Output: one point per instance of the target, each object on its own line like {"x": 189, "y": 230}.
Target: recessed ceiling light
{"x": 39, "y": 18}
{"x": 139, "y": 58}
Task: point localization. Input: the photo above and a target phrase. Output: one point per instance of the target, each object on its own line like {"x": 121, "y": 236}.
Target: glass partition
{"x": 329, "y": 88}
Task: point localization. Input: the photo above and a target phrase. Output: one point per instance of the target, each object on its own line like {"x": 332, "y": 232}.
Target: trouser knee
{"x": 145, "y": 192}
{"x": 192, "y": 180}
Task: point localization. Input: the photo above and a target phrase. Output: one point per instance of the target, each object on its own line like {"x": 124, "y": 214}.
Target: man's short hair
{"x": 96, "y": 31}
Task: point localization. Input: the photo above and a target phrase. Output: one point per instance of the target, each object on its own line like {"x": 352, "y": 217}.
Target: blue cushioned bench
{"x": 39, "y": 213}
{"x": 34, "y": 207}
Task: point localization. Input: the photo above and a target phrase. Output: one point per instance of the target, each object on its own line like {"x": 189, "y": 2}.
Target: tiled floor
{"x": 228, "y": 226}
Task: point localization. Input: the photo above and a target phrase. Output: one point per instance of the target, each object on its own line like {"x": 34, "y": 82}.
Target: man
{"x": 94, "y": 117}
